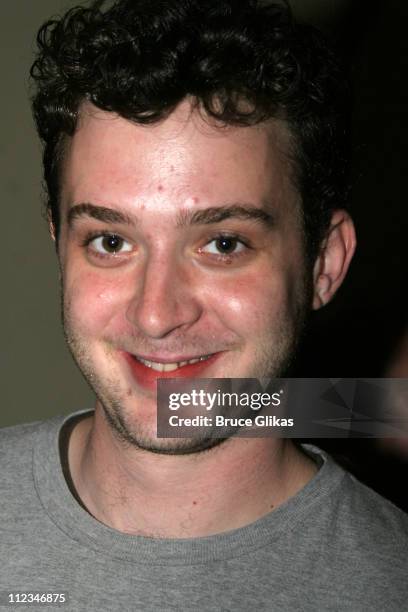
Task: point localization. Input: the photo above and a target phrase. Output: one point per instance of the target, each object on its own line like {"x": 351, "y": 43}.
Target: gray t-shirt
{"x": 336, "y": 545}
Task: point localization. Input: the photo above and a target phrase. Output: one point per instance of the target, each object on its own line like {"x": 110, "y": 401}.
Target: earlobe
{"x": 334, "y": 258}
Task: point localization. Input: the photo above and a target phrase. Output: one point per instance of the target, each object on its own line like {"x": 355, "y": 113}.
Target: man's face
{"x": 180, "y": 241}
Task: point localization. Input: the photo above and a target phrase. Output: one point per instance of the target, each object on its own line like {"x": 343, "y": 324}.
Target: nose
{"x": 164, "y": 299}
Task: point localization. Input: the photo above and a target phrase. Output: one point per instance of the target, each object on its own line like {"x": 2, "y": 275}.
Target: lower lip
{"x": 147, "y": 377}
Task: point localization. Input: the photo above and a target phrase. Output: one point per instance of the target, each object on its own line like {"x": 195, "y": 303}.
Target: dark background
{"x": 355, "y": 336}
{"x": 360, "y": 333}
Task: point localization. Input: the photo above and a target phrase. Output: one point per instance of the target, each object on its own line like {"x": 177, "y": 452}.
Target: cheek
{"x": 94, "y": 301}
{"x": 254, "y": 300}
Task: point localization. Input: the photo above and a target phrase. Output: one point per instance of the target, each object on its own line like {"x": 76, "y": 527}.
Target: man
{"x": 196, "y": 172}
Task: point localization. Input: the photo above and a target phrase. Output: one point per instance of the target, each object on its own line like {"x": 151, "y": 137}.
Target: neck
{"x": 185, "y": 496}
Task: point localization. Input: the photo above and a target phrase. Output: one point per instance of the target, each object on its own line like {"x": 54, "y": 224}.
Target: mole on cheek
{"x": 160, "y": 188}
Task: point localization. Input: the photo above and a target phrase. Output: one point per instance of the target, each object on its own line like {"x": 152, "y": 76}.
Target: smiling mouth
{"x": 146, "y": 372}
{"x": 170, "y": 367}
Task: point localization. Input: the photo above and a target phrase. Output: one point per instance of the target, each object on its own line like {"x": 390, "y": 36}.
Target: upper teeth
{"x": 169, "y": 367}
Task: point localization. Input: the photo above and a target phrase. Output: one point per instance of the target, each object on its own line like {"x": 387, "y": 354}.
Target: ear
{"x": 334, "y": 258}
{"x": 51, "y": 226}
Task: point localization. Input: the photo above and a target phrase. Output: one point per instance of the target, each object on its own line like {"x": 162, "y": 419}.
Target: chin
{"x": 144, "y": 437}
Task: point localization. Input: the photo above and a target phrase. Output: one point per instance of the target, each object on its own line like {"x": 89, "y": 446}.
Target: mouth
{"x": 171, "y": 367}
{"x": 147, "y": 371}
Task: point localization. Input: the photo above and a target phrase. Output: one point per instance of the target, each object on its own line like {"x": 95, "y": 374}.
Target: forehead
{"x": 181, "y": 159}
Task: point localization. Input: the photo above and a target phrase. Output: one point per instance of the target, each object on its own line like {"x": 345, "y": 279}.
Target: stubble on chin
{"x": 133, "y": 433}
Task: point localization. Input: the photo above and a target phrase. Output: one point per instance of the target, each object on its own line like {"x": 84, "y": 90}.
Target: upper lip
{"x": 173, "y": 359}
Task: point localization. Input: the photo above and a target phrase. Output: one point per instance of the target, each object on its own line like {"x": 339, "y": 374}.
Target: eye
{"x": 225, "y": 245}
{"x": 109, "y": 244}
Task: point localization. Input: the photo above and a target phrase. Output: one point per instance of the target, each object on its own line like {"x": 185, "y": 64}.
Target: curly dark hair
{"x": 141, "y": 58}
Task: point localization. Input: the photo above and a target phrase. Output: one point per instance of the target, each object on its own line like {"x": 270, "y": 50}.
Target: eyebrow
{"x": 207, "y": 216}
{"x": 101, "y": 213}
{"x": 217, "y": 214}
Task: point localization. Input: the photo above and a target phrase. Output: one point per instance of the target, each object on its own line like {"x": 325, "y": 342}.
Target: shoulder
{"x": 17, "y": 444}
{"x": 17, "y": 441}
{"x": 356, "y": 541}
{"x": 371, "y": 515}
{"x": 19, "y": 447}
{"x": 17, "y": 489}
{"x": 365, "y": 532}
{"x": 355, "y": 507}
{"x": 354, "y": 519}
{"x": 375, "y": 541}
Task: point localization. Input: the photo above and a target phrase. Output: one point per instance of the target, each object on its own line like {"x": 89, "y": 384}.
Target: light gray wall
{"x": 38, "y": 378}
